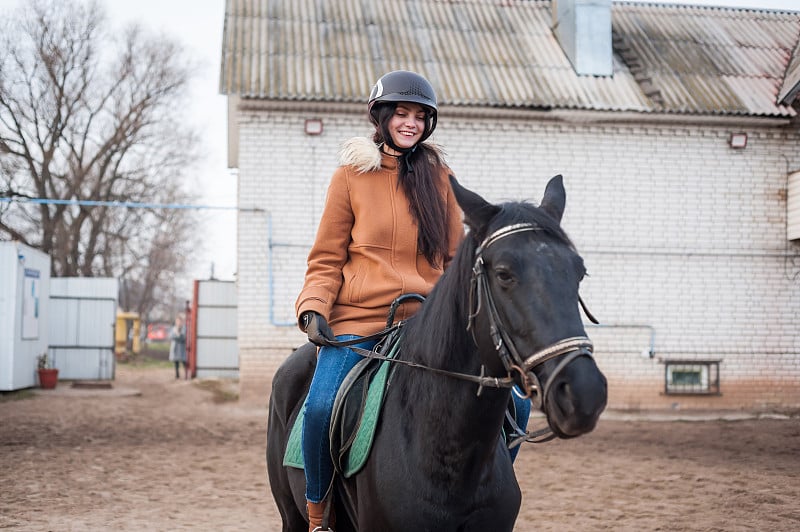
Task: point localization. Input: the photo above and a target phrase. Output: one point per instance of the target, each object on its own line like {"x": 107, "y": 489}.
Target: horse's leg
{"x": 289, "y": 387}
{"x": 500, "y": 508}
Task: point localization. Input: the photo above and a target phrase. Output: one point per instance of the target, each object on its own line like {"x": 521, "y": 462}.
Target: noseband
{"x": 480, "y": 295}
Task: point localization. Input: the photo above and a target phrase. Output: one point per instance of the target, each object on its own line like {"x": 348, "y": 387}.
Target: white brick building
{"x": 684, "y": 237}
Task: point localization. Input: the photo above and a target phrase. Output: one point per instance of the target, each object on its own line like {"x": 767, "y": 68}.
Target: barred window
{"x": 691, "y": 377}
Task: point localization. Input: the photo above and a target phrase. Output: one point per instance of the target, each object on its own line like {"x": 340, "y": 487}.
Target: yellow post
{"x": 127, "y": 328}
{"x": 136, "y": 345}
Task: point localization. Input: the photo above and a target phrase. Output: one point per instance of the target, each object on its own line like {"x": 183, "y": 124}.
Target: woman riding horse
{"x": 390, "y": 226}
{"x": 506, "y": 312}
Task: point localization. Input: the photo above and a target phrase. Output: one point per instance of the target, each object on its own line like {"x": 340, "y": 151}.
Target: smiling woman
{"x": 390, "y": 226}
{"x": 406, "y": 127}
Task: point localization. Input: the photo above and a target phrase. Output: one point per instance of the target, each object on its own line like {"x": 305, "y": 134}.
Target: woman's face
{"x": 407, "y": 124}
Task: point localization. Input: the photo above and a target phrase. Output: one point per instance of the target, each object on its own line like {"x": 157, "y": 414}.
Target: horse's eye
{"x": 503, "y": 275}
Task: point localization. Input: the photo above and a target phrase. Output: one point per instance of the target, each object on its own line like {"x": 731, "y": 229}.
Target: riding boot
{"x": 316, "y": 512}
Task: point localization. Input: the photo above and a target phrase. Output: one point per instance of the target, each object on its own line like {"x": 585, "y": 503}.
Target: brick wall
{"x": 684, "y": 239}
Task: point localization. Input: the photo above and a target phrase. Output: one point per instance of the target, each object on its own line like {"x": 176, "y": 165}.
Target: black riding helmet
{"x": 404, "y": 86}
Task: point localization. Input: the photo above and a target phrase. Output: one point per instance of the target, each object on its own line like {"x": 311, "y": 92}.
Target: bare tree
{"x": 90, "y": 116}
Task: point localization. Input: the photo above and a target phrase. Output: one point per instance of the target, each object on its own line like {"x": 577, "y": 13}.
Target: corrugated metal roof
{"x": 791, "y": 81}
{"x": 708, "y": 60}
{"x": 502, "y": 53}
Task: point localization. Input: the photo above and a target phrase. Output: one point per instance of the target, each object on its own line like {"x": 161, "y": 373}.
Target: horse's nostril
{"x": 564, "y": 399}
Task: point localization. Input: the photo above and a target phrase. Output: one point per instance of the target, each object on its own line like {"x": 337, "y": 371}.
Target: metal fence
{"x": 81, "y": 327}
{"x": 213, "y": 338}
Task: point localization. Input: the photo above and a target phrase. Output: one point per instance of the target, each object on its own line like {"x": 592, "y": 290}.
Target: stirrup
{"x": 320, "y": 529}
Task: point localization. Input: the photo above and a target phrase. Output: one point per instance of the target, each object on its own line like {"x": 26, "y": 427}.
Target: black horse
{"x": 506, "y": 311}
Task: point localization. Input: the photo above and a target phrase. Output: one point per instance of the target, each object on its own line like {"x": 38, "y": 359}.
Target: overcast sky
{"x": 198, "y": 25}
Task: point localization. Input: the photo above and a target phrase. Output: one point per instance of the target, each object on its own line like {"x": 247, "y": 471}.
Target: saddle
{"x": 355, "y": 415}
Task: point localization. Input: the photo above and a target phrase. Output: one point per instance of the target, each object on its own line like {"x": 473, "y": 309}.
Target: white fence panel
{"x": 82, "y": 327}
{"x": 217, "y": 348}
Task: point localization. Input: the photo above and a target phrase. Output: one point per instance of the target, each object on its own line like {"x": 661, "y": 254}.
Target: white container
{"x": 24, "y": 299}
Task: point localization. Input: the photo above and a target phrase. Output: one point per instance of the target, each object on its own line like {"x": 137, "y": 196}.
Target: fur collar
{"x": 361, "y": 153}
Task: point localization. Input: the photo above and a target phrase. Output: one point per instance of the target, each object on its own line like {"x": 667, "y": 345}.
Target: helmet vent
{"x": 415, "y": 89}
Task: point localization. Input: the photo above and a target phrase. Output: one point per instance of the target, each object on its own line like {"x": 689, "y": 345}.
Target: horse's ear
{"x": 555, "y": 198}
{"x": 477, "y": 211}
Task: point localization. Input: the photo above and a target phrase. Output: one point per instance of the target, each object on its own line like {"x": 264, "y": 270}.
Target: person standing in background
{"x": 177, "y": 346}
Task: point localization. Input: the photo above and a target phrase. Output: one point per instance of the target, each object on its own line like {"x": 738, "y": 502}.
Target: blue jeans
{"x": 333, "y": 364}
{"x": 523, "y": 407}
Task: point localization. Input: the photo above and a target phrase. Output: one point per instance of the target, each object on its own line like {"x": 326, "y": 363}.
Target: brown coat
{"x": 365, "y": 253}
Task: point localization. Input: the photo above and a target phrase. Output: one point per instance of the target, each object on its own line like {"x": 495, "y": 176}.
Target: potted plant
{"x": 48, "y": 376}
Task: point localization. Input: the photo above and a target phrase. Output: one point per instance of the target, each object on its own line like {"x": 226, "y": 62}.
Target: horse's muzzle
{"x": 575, "y": 398}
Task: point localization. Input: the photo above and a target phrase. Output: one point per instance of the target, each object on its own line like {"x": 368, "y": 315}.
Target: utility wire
{"x": 123, "y": 204}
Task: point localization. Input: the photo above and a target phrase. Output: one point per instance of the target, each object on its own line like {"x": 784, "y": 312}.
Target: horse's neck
{"x": 447, "y": 412}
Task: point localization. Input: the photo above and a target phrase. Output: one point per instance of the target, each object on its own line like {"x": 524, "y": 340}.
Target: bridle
{"x": 480, "y": 297}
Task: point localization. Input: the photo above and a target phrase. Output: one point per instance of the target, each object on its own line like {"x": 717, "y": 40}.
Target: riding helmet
{"x": 404, "y": 86}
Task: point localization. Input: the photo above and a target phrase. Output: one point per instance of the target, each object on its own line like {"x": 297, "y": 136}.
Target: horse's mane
{"x": 437, "y": 334}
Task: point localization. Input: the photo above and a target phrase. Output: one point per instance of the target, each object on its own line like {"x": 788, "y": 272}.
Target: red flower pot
{"x": 48, "y": 378}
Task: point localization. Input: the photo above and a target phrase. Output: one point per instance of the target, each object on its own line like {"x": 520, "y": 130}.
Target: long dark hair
{"x": 418, "y": 173}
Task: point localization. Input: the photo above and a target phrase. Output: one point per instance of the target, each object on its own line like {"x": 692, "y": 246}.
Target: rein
{"x": 482, "y": 380}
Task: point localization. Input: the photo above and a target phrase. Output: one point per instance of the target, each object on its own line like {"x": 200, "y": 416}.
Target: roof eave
{"x": 576, "y": 116}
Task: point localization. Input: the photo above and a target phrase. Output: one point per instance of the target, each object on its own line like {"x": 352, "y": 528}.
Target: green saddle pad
{"x": 357, "y": 456}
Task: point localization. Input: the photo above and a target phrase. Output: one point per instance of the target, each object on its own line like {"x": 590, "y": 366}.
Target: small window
{"x": 691, "y": 377}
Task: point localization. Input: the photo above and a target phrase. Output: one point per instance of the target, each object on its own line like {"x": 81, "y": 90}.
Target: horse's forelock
{"x": 523, "y": 212}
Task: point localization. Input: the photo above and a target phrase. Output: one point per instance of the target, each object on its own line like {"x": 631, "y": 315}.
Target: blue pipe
{"x": 651, "y": 351}
{"x": 271, "y": 277}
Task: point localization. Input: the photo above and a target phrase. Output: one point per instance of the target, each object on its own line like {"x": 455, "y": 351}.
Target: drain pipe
{"x": 271, "y": 244}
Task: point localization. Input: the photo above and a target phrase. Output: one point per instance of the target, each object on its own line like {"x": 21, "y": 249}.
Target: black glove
{"x": 317, "y": 328}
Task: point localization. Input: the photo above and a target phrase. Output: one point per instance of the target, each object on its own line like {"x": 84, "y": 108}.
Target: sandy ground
{"x": 159, "y": 454}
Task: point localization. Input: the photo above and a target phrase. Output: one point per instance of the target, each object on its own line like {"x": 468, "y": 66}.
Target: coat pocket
{"x": 355, "y": 288}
